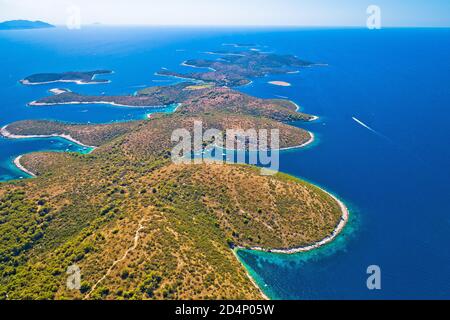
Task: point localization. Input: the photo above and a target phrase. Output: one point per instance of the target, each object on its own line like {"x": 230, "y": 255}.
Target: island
{"x": 141, "y": 226}
{"x": 194, "y": 98}
{"x": 87, "y": 77}
{"x": 24, "y": 24}
{"x": 280, "y": 83}
{"x": 97, "y": 135}
{"x": 236, "y": 69}
{"x": 84, "y": 135}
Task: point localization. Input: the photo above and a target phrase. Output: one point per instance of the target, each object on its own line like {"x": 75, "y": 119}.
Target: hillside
{"x": 88, "y": 211}
{"x": 193, "y": 99}
{"x": 140, "y": 227}
{"x": 153, "y": 137}
{"x": 92, "y": 135}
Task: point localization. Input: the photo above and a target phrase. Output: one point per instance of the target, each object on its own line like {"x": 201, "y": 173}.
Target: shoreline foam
{"x": 337, "y": 231}
{"x": 21, "y": 167}
{"x": 4, "y": 132}
{"x": 298, "y": 108}
{"x": 79, "y": 82}
{"x": 178, "y": 77}
{"x": 339, "y": 228}
{"x": 310, "y": 141}
{"x": 43, "y": 104}
{"x": 185, "y": 64}
{"x": 150, "y": 115}
{"x": 249, "y": 276}
{"x": 57, "y": 91}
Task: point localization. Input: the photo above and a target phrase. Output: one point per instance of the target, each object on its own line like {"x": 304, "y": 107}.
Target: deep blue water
{"x": 395, "y": 180}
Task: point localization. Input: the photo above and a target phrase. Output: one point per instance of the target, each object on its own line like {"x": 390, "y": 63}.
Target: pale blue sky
{"x": 423, "y": 13}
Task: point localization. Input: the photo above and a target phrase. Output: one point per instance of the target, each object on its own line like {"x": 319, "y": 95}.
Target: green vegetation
{"x": 237, "y": 68}
{"x": 139, "y": 226}
{"x": 194, "y": 99}
{"x": 86, "y": 209}
{"x": 92, "y": 135}
{"x": 72, "y": 76}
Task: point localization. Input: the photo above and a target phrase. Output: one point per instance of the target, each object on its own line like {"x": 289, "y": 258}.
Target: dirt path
{"x": 135, "y": 244}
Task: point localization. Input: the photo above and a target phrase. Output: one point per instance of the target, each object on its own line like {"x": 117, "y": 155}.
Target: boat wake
{"x": 370, "y": 129}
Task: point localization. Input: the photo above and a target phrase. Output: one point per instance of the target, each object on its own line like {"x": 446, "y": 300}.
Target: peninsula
{"x": 97, "y": 135}
{"x": 194, "y": 98}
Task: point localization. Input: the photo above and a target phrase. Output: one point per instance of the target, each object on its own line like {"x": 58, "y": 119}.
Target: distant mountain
{"x": 24, "y": 24}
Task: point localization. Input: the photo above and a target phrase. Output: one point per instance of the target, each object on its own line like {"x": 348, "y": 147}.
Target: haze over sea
{"x": 395, "y": 178}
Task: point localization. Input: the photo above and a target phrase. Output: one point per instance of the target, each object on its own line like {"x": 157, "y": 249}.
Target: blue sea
{"x": 391, "y": 166}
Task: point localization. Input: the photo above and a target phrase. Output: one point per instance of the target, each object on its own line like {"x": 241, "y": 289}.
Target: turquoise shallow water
{"x": 395, "y": 180}
{"x": 60, "y": 50}
{"x": 259, "y": 262}
{"x": 23, "y": 146}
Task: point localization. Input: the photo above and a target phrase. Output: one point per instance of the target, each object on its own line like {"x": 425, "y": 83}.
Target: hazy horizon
{"x": 252, "y": 13}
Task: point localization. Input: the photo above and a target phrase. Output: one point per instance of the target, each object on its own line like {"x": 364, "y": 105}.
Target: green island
{"x": 141, "y": 227}
{"x": 195, "y": 98}
{"x": 237, "y": 68}
{"x": 87, "y": 77}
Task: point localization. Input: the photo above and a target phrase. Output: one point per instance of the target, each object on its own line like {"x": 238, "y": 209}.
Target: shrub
{"x": 150, "y": 284}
